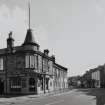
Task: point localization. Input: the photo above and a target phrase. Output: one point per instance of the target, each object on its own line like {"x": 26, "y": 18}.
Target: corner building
{"x": 26, "y": 70}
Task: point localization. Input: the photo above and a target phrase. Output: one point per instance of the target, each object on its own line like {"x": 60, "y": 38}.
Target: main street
{"x": 72, "y": 97}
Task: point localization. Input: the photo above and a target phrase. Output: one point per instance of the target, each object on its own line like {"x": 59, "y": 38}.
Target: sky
{"x": 73, "y": 30}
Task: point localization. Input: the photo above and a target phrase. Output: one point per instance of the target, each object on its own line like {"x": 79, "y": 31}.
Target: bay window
{"x": 27, "y": 61}
{"x": 45, "y": 65}
{"x": 1, "y": 63}
{"x": 40, "y": 63}
{"x": 36, "y": 61}
{"x": 31, "y": 61}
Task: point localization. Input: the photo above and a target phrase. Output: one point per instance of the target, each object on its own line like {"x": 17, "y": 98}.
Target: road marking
{"x": 56, "y": 102}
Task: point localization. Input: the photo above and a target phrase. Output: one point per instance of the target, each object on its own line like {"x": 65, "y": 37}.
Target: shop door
{"x": 1, "y": 87}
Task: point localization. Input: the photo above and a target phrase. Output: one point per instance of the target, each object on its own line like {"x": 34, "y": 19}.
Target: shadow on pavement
{"x": 99, "y": 93}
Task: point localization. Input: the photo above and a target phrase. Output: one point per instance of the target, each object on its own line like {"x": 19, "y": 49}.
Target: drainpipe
{"x": 6, "y": 73}
{"x": 44, "y": 84}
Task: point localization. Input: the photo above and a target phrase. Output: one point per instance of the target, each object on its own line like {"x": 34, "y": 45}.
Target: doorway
{"x": 1, "y": 87}
{"x": 31, "y": 84}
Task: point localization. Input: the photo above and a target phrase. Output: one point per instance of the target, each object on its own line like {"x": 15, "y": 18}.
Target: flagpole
{"x": 29, "y": 1}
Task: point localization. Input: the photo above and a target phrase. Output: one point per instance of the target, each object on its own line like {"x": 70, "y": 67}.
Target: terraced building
{"x": 25, "y": 69}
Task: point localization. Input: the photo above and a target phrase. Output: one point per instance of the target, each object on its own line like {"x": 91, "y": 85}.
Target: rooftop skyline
{"x": 73, "y": 30}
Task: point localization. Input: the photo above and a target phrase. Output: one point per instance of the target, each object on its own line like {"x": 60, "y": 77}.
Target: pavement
{"x": 72, "y": 97}
{"x": 9, "y": 100}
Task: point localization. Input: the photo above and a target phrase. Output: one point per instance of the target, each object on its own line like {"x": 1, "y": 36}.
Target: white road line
{"x": 56, "y": 102}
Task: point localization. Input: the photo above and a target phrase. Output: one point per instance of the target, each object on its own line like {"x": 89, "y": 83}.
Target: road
{"x": 73, "y": 97}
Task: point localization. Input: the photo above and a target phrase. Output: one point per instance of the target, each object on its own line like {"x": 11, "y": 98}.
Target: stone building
{"x": 94, "y": 78}
{"x": 98, "y": 75}
{"x": 25, "y": 69}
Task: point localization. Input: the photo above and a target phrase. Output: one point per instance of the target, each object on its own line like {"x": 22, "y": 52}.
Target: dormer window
{"x": 1, "y": 64}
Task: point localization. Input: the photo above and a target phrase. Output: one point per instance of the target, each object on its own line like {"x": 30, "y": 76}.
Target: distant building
{"x": 86, "y": 79}
{"x": 98, "y": 75}
{"x": 94, "y": 77}
{"x": 26, "y": 70}
{"x": 74, "y": 81}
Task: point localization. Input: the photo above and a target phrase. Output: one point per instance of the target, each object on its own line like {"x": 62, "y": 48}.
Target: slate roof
{"x": 30, "y": 38}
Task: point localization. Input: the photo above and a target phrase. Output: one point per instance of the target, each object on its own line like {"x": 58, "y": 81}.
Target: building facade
{"x": 74, "y": 81}
{"x": 98, "y": 75}
{"x": 94, "y": 78}
{"x": 26, "y": 70}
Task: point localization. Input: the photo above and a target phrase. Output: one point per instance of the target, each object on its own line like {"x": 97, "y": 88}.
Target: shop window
{"x": 15, "y": 84}
{"x": 23, "y": 83}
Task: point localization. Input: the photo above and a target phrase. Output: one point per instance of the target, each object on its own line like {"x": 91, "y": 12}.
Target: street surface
{"x": 72, "y": 97}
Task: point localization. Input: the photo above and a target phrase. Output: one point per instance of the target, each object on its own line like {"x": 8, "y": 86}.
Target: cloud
{"x": 12, "y": 20}
{"x": 16, "y": 20}
{"x": 99, "y": 9}
{"x": 41, "y": 36}
{"x": 72, "y": 29}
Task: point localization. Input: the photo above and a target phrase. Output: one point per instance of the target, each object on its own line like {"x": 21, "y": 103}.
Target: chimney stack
{"x": 53, "y": 57}
{"x": 10, "y": 41}
{"x": 46, "y": 51}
